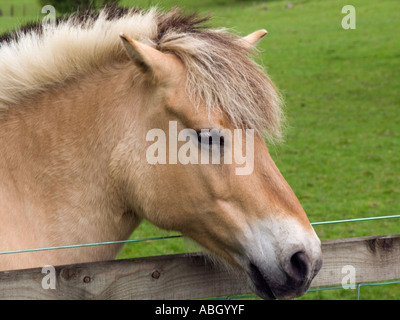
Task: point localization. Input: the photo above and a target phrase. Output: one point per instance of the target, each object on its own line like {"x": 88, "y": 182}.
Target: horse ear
{"x": 251, "y": 40}
{"x": 147, "y": 59}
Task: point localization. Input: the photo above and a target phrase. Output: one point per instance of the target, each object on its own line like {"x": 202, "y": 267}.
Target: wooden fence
{"x": 191, "y": 276}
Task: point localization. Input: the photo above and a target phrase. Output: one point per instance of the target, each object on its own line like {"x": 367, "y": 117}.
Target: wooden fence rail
{"x": 191, "y": 276}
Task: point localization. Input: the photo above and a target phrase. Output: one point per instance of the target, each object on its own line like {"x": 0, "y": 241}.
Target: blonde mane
{"x": 219, "y": 72}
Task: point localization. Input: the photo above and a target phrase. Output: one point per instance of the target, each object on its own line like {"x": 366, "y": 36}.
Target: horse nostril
{"x": 298, "y": 266}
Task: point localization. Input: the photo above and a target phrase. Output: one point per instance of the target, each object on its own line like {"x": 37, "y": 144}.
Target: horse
{"x": 77, "y": 102}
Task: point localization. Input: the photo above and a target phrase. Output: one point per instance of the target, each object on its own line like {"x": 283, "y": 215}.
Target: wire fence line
{"x": 356, "y": 286}
{"x": 90, "y": 244}
{"x": 179, "y": 236}
{"x": 355, "y": 220}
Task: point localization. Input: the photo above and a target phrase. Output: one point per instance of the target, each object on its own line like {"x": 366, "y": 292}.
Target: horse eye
{"x": 210, "y": 138}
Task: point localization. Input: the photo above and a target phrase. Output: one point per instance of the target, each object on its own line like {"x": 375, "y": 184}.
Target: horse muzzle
{"x": 290, "y": 279}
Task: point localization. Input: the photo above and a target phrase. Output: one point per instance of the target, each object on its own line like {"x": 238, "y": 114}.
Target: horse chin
{"x": 259, "y": 283}
{"x": 269, "y": 288}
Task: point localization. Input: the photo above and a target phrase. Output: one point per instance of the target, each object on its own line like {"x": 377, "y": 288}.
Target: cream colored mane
{"x": 219, "y": 72}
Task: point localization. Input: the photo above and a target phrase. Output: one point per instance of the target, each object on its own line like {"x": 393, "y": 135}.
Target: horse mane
{"x": 220, "y": 72}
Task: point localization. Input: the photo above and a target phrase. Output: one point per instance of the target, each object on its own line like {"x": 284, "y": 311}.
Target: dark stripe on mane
{"x": 167, "y": 23}
{"x": 79, "y": 17}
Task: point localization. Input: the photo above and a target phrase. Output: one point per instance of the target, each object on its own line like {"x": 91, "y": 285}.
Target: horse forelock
{"x": 220, "y": 74}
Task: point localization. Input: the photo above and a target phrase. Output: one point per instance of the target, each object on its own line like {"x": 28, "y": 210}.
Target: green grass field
{"x": 341, "y": 88}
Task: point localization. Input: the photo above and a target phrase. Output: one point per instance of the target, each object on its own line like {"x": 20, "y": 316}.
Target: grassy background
{"x": 341, "y": 87}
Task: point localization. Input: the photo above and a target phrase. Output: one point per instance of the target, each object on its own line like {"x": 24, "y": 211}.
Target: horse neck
{"x": 57, "y": 149}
